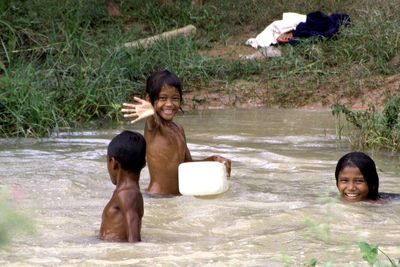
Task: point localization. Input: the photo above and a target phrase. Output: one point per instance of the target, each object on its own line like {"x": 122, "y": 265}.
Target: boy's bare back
{"x": 122, "y": 216}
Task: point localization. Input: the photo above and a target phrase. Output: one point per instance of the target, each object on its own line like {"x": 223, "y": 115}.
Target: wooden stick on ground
{"x": 146, "y": 42}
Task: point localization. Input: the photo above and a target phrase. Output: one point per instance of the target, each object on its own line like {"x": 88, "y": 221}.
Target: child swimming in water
{"x": 357, "y": 178}
{"x": 166, "y": 140}
{"x": 122, "y": 216}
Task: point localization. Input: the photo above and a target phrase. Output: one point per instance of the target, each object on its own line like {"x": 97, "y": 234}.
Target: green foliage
{"x": 374, "y": 129}
{"x": 63, "y": 64}
{"x": 11, "y": 221}
{"x": 319, "y": 229}
{"x": 370, "y": 254}
{"x": 312, "y": 263}
{"x": 25, "y": 107}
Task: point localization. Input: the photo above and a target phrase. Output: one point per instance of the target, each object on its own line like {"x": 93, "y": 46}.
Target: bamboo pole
{"x": 147, "y": 42}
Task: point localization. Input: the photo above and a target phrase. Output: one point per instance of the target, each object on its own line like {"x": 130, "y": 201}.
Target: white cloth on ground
{"x": 269, "y": 35}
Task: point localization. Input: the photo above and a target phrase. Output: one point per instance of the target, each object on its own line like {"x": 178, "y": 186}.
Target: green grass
{"x": 63, "y": 64}
{"x": 373, "y": 129}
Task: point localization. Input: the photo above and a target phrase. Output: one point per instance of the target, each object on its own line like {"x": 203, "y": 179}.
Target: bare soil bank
{"x": 247, "y": 94}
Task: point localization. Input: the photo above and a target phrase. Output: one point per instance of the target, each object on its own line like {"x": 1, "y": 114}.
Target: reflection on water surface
{"x": 281, "y": 208}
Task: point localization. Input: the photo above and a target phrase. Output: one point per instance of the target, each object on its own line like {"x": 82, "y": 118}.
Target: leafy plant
{"x": 370, "y": 254}
{"x": 374, "y": 129}
{"x": 312, "y": 263}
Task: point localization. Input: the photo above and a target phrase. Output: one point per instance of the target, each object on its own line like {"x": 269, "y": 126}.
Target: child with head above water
{"x": 357, "y": 178}
{"x": 166, "y": 140}
{"x": 122, "y": 216}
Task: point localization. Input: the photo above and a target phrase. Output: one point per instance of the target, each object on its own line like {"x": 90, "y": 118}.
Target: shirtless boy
{"x": 166, "y": 140}
{"x": 122, "y": 216}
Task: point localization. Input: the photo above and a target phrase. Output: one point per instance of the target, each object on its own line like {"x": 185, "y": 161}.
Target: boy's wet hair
{"x": 129, "y": 149}
{"x": 157, "y": 80}
{"x": 366, "y": 166}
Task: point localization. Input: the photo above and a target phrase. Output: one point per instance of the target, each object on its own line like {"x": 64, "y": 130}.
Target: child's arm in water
{"x": 131, "y": 205}
{"x": 218, "y": 158}
{"x": 225, "y": 161}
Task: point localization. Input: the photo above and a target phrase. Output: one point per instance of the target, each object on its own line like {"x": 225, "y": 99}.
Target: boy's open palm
{"x": 139, "y": 110}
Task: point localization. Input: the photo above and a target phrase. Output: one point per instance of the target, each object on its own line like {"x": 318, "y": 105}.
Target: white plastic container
{"x": 202, "y": 178}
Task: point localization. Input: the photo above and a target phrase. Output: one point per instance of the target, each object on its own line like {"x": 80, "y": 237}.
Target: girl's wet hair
{"x": 366, "y": 166}
{"x": 157, "y": 80}
{"x": 129, "y": 149}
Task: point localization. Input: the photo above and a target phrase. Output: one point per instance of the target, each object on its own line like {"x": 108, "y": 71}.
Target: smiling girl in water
{"x": 357, "y": 178}
{"x": 166, "y": 140}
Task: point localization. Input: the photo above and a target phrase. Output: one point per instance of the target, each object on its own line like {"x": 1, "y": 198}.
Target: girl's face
{"x": 352, "y": 184}
{"x": 168, "y": 102}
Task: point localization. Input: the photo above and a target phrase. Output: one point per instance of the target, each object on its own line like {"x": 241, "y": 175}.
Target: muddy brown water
{"x": 282, "y": 207}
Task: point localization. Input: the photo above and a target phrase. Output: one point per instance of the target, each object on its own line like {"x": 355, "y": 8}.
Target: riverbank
{"x": 244, "y": 94}
{"x": 60, "y": 68}
{"x": 373, "y": 90}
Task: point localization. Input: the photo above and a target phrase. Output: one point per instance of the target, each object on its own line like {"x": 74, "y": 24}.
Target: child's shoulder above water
{"x": 389, "y": 197}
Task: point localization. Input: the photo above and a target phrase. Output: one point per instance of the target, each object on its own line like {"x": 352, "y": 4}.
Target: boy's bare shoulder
{"x": 389, "y": 197}
{"x": 176, "y": 127}
{"x": 128, "y": 192}
{"x": 164, "y": 127}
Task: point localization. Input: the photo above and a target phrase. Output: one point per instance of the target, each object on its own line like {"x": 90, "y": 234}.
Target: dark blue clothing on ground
{"x": 319, "y": 24}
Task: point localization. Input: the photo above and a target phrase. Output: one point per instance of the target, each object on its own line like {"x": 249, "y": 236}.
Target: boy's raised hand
{"x": 139, "y": 110}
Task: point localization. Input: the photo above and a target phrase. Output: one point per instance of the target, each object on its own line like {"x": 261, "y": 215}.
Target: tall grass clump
{"x": 69, "y": 71}
{"x": 374, "y": 129}
{"x": 26, "y": 108}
